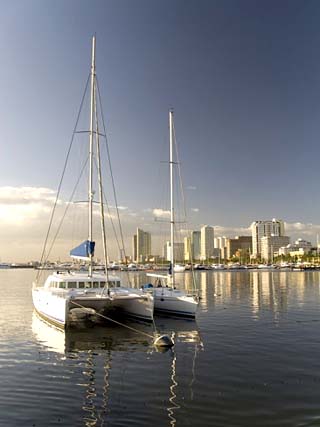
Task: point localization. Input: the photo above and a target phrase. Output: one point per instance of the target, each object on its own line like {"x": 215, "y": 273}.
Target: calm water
{"x": 252, "y": 358}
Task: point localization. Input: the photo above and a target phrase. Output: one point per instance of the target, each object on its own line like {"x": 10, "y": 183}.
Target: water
{"x": 252, "y": 358}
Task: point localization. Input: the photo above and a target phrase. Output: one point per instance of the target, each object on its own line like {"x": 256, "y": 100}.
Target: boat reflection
{"x": 104, "y": 351}
{"x": 101, "y": 337}
{"x": 113, "y": 337}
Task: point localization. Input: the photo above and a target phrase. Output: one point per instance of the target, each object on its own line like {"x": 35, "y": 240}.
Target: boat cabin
{"x": 62, "y": 280}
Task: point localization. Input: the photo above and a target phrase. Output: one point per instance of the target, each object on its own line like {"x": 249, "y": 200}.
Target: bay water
{"x": 251, "y": 358}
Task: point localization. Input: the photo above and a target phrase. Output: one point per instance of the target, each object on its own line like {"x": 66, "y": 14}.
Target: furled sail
{"x": 83, "y": 251}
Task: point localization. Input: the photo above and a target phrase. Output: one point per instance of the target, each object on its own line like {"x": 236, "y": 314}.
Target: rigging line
{"x": 111, "y": 173}
{"x": 66, "y": 209}
{"x": 103, "y": 230}
{"x": 184, "y": 205}
{"x": 114, "y": 321}
{"x": 61, "y": 179}
{"x": 110, "y": 216}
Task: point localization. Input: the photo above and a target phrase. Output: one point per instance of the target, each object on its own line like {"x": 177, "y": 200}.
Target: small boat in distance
{"x": 178, "y": 268}
{"x": 71, "y": 297}
{"x": 167, "y": 298}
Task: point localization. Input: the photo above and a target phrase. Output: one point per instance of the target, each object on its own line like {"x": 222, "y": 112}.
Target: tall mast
{"x": 90, "y": 190}
{"x": 171, "y": 198}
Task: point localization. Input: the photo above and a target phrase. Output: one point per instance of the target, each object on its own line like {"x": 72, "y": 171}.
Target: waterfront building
{"x": 220, "y": 243}
{"x": 270, "y": 246}
{"x": 207, "y": 242}
{"x": 141, "y": 245}
{"x": 196, "y": 244}
{"x": 242, "y": 244}
{"x": 187, "y": 249}
{"x": 134, "y": 248}
{"x": 192, "y": 246}
{"x": 259, "y": 229}
{"x": 178, "y": 251}
{"x": 298, "y": 248}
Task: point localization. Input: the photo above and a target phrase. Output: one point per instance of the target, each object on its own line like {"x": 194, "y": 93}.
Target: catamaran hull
{"x": 63, "y": 311}
{"x": 168, "y": 302}
{"x": 140, "y": 306}
{"x": 52, "y": 308}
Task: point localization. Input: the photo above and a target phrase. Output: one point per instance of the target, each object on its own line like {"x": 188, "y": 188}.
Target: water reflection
{"x": 91, "y": 348}
{"x": 271, "y": 291}
{"x": 98, "y": 337}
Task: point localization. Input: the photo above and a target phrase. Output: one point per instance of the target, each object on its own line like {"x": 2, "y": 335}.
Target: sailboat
{"x": 70, "y": 297}
{"x": 167, "y": 297}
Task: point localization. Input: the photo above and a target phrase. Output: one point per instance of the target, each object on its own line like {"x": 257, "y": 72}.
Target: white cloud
{"x": 191, "y": 187}
{"x": 299, "y": 229}
{"x": 20, "y": 205}
{"x": 120, "y": 208}
{"x": 161, "y": 213}
{"x": 231, "y": 231}
{"x": 195, "y": 209}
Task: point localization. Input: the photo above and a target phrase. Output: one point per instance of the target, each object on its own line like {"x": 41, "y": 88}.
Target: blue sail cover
{"x": 83, "y": 251}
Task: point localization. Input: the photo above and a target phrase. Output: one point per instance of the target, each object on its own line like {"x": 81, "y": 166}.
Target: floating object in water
{"x": 163, "y": 341}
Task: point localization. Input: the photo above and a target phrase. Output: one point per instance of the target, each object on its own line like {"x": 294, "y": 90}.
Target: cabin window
{"x": 87, "y": 284}
{"x": 95, "y": 284}
{"x": 71, "y": 285}
{"x": 81, "y": 285}
{"x": 62, "y": 285}
{"x": 102, "y": 284}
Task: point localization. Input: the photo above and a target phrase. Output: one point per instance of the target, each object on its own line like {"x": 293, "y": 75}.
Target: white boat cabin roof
{"x": 65, "y": 276}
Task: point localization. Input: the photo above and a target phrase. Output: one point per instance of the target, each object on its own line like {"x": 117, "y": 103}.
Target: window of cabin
{"x": 62, "y": 285}
{"x": 81, "y": 285}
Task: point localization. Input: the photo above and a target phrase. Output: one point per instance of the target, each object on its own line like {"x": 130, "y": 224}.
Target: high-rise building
{"x": 178, "y": 254}
{"x": 196, "y": 244}
{"x": 192, "y": 246}
{"x": 270, "y": 246}
{"x": 134, "y": 248}
{"x": 259, "y": 229}
{"x": 187, "y": 249}
{"x": 207, "y": 242}
{"x": 141, "y": 245}
{"x": 220, "y": 243}
{"x": 239, "y": 243}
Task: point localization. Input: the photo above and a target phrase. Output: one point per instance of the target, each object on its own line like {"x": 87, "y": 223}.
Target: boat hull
{"x": 137, "y": 304}
{"x": 174, "y": 302}
{"x": 62, "y": 309}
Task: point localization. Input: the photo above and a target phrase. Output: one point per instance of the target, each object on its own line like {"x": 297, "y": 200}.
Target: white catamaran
{"x": 69, "y": 297}
{"x": 167, "y": 298}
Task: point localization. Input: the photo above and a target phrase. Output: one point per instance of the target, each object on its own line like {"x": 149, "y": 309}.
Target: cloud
{"x": 25, "y": 195}
{"x": 161, "y": 213}
{"x": 20, "y": 205}
{"x": 231, "y": 231}
{"x": 191, "y": 187}
{"x": 195, "y": 209}
{"x": 120, "y": 208}
{"x": 299, "y": 229}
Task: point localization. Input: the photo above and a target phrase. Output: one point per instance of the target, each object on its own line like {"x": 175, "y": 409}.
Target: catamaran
{"x": 70, "y": 297}
{"x": 167, "y": 297}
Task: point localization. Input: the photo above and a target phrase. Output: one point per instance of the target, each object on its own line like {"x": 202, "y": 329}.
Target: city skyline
{"x": 242, "y": 77}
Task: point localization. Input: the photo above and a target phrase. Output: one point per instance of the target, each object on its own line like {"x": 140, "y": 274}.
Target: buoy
{"x": 163, "y": 341}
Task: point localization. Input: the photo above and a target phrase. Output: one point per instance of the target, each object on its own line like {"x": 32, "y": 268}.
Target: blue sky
{"x": 243, "y": 78}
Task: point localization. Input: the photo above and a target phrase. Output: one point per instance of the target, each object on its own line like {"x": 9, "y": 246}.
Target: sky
{"x": 243, "y": 78}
